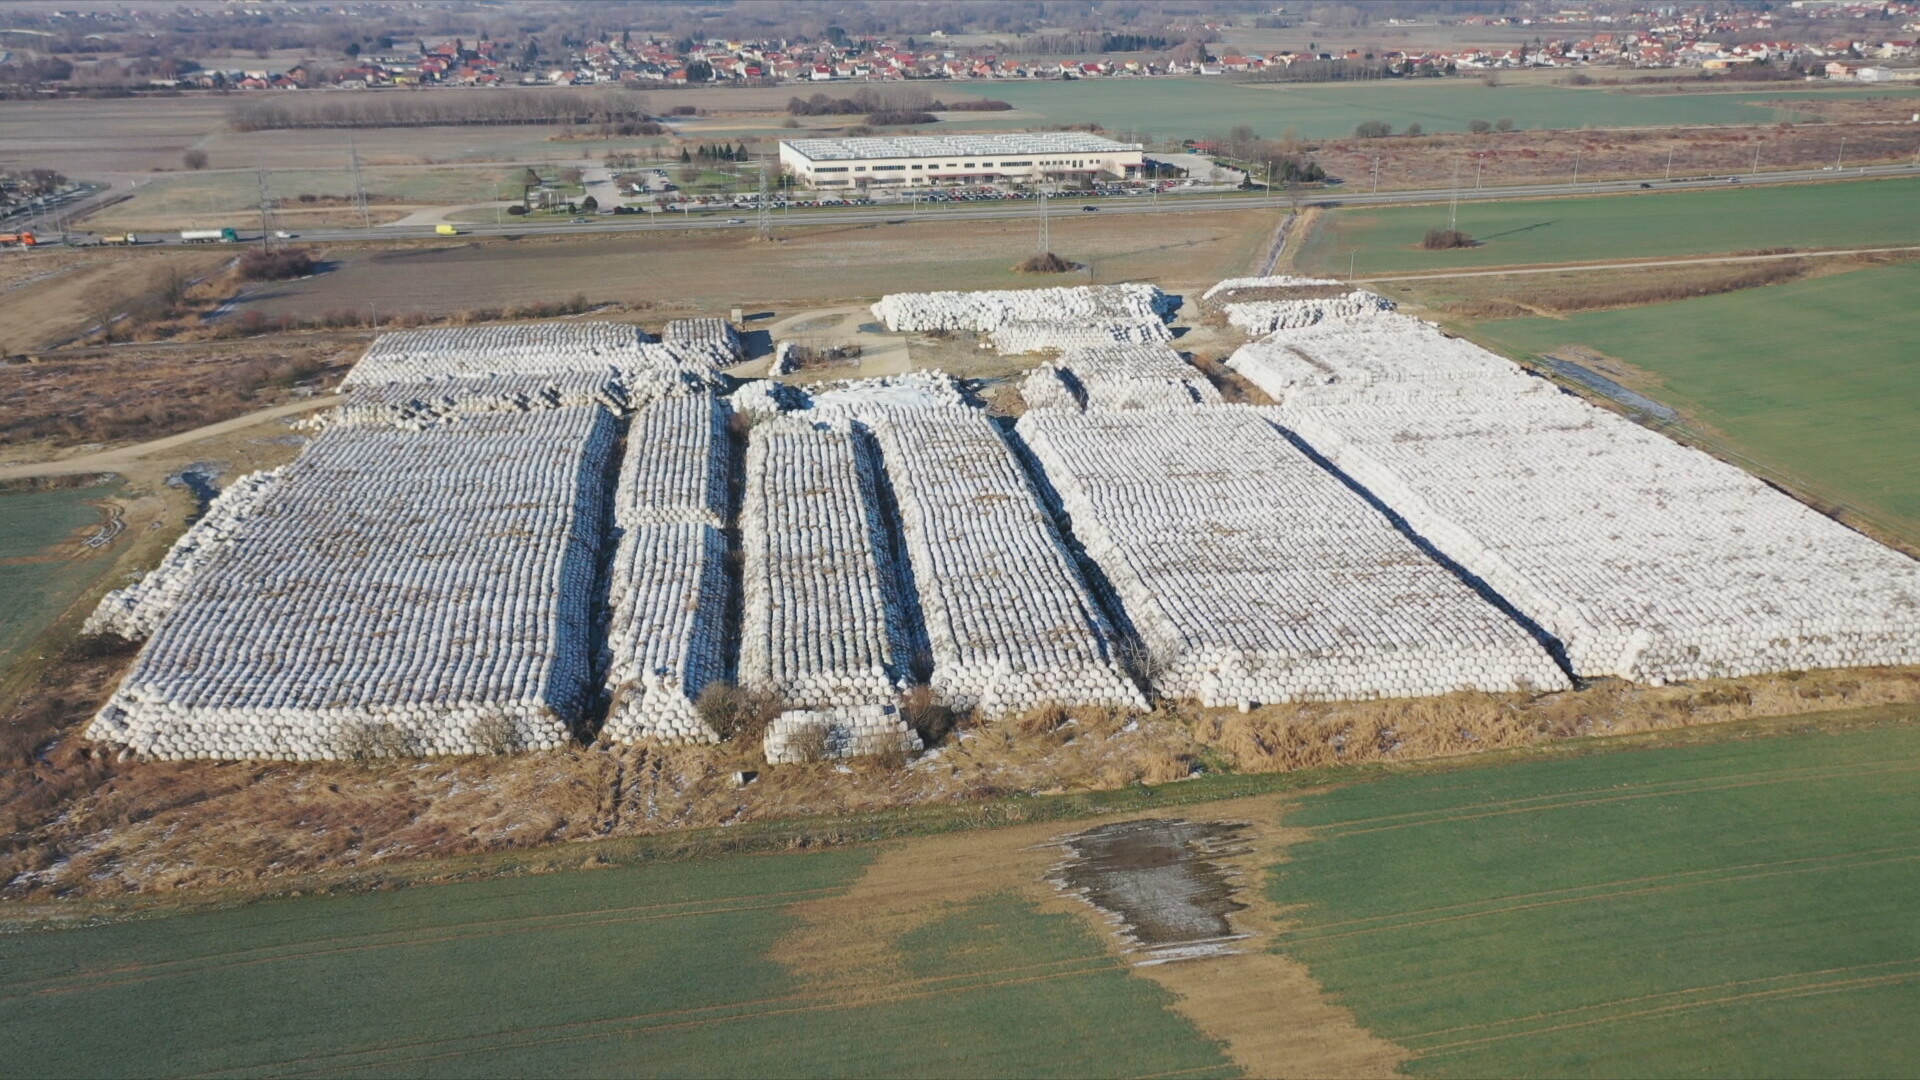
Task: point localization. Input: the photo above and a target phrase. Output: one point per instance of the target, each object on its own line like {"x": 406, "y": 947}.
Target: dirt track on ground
{"x": 125, "y": 458}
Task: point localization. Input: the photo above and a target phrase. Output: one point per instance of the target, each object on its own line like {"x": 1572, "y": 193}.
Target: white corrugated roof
{"x": 905, "y": 146}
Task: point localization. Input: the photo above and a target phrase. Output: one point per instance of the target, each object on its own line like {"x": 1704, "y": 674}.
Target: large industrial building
{"x": 920, "y": 160}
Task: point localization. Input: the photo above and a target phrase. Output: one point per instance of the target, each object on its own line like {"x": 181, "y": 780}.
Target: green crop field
{"x": 1814, "y": 379}
{"x": 1739, "y": 909}
{"x": 39, "y": 576}
{"x": 1864, "y": 213}
{"x": 1190, "y": 108}
{"x": 644, "y": 971}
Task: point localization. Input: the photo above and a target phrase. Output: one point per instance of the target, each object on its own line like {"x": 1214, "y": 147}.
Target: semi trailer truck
{"x": 209, "y": 236}
{"x": 17, "y": 239}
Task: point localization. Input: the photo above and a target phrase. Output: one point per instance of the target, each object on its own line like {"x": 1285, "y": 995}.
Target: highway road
{"x": 724, "y": 217}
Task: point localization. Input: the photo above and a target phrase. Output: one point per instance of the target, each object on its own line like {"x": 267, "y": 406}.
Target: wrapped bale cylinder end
{"x": 1252, "y": 575}
{"x": 798, "y": 736}
{"x": 822, "y": 622}
{"x": 397, "y": 593}
{"x": 1010, "y": 624}
{"x": 1649, "y": 560}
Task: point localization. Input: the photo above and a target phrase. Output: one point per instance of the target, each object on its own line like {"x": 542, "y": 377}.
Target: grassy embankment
{"x": 1741, "y": 909}
{"x": 1641, "y": 226}
{"x": 1813, "y": 380}
{"x": 44, "y": 567}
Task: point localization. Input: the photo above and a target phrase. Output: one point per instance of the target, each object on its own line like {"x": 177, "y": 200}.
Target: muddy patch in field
{"x": 1166, "y": 883}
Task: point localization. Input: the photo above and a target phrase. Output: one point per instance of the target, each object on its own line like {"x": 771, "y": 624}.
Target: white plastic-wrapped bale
{"x": 822, "y": 623}
{"x": 666, "y": 637}
{"x": 419, "y": 404}
{"x": 137, "y": 610}
{"x": 396, "y": 592}
{"x": 715, "y": 337}
{"x": 798, "y": 736}
{"x": 1260, "y": 317}
{"x": 1254, "y": 575}
{"x": 1226, "y": 291}
{"x": 1051, "y": 386}
{"x": 762, "y": 398}
{"x": 1010, "y": 623}
{"x": 1137, "y": 377}
{"x": 676, "y": 464}
{"x": 783, "y": 362}
{"x": 411, "y": 356}
{"x": 1338, "y": 359}
{"x": 987, "y": 311}
{"x": 861, "y": 398}
{"x": 1014, "y": 338}
{"x": 1649, "y": 560}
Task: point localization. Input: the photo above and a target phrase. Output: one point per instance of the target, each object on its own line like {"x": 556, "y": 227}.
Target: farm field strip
{"x": 1521, "y": 232}
{"x": 1735, "y": 904}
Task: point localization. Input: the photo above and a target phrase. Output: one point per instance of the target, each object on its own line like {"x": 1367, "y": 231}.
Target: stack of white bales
{"x": 1010, "y": 623}
{"x": 422, "y": 592}
{"x": 666, "y": 636}
{"x": 841, "y": 732}
{"x": 1122, "y": 377}
{"x": 709, "y": 336}
{"x": 645, "y": 369}
{"x": 136, "y": 611}
{"x": 1347, "y": 358}
{"x": 1649, "y": 560}
{"x": 822, "y": 621}
{"x": 764, "y": 397}
{"x": 1014, "y": 338}
{"x": 1253, "y": 575}
{"x": 417, "y": 405}
{"x": 989, "y": 310}
{"x": 1266, "y": 316}
{"x": 1224, "y": 291}
{"x": 1051, "y": 386}
{"x": 860, "y": 398}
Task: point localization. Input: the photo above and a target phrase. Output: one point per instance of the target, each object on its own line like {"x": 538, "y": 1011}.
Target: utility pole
{"x": 266, "y": 213}
{"x": 1376, "y": 172}
{"x": 1842, "y": 155}
{"x": 766, "y": 206}
{"x": 1756, "y": 157}
{"x": 1453, "y": 206}
{"x": 1576, "y": 168}
{"x": 1669, "y": 162}
{"x": 1044, "y": 239}
{"x": 359, "y": 189}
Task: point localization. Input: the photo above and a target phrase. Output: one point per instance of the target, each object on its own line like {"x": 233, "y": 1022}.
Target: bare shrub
{"x": 194, "y": 159}
{"x": 1047, "y": 263}
{"x": 809, "y": 744}
{"x": 932, "y": 719}
{"x": 735, "y": 712}
{"x": 263, "y": 265}
{"x": 1040, "y": 722}
{"x": 1446, "y": 240}
{"x": 373, "y": 741}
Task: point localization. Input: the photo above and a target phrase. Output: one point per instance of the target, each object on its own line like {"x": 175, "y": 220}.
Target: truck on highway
{"x": 17, "y": 239}
{"x": 446, "y": 230}
{"x": 228, "y": 235}
{"x": 125, "y": 240}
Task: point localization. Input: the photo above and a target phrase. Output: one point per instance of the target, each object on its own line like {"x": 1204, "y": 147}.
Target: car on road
{"x": 578, "y": 220}
{"x": 736, "y": 221}
{"x": 1089, "y": 208}
{"x": 1646, "y": 185}
{"x": 282, "y": 234}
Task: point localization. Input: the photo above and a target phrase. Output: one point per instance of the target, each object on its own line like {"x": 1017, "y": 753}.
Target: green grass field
{"x": 1740, "y": 909}
{"x": 1814, "y": 379}
{"x": 37, "y": 582}
{"x": 647, "y": 971}
{"x": 1868, "y": 213}
{"x": 1190, "y": 108}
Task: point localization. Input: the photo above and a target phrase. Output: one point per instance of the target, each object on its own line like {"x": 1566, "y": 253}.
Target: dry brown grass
{"x": 1518, "y": 296}
{"x": 79, "y": 820}
{"x": 1233, "y": 387}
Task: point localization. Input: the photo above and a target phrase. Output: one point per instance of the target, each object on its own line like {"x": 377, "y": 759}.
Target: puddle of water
{"x": 1164, "y": 882}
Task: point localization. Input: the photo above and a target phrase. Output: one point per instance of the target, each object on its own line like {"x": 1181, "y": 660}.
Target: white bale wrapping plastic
{"x": 822, "y": 624}
{"x": 1253, "y": 575}
{"x": 1010, "y": 623}
{"x": 1647, "y": 559}
{"x": 988, "y": 310}
{"x": 432, "y": 588}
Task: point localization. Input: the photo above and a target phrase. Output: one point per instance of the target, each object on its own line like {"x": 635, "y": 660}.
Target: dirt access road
{"x": 1561, "y": 268}
{"x": 120, "y": 459}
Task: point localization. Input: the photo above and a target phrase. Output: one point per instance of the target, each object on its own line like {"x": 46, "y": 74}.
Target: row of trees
{"x": 715, "y": 152}
{"x": 401, "y": 109}
{"x": 868, "y": 101}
